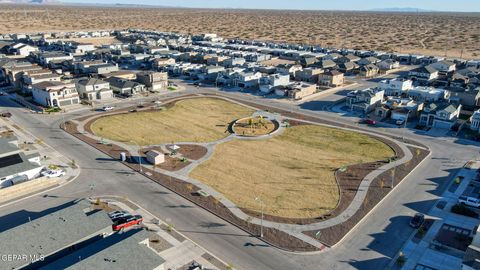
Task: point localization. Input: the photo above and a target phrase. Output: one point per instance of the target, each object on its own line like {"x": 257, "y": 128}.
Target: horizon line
{"x": 121, "y": 5}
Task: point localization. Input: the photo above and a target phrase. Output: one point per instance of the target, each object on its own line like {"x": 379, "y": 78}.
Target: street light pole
{"x": 261, "y": 221}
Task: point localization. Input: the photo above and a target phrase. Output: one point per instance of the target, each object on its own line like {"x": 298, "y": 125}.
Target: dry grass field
{"x": 453, "y": 34}
{"x": 189, "y": 120}
{"x": 293, "y": 173}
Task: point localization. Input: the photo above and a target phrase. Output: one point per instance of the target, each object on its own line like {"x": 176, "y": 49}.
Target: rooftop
{"x": 52, "y": 232}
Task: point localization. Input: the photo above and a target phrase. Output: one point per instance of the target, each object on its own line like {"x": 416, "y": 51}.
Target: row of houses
{"x": 400, "y": 100}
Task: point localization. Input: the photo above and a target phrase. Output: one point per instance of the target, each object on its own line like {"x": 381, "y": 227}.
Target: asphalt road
{"x": 369, "y": 246}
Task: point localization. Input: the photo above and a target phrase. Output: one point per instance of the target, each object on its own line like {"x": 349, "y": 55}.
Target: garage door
{"x": 441, "y": 124}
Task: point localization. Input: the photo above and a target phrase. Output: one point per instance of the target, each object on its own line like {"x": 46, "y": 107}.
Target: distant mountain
{"x": 29, "y": 2}
{"x": 404, "y": 9}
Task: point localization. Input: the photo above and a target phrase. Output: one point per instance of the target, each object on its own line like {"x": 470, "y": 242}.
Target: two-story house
{"x": 440, "y": 115}
{"x": 55, "y": 94}
{"x": 92, "y": 89}
{"x": 365, "y": 100}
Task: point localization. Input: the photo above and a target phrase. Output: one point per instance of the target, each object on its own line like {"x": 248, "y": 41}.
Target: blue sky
{"x": 440, "y": 5}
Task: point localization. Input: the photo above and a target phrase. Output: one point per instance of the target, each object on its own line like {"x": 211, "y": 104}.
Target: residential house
{"x": 44, "y": 58}
{"x": 368, "y": 71}
{"x": 288, "y": 69}
{"x": 125, "y": 87}
{"x": 398, "y": 108}
{"x": 122, "y": 74}
{"x": 246, "y": 79}
{"x": 270, "y": 82}
{"x": 308, "y": 74}
{"x": 233, "y": 62}
{"x": 21, "y": 49}
{"x": 368, "y": 61}
{"x": 440, "y": 115}
{"x": 427, "y": 94}
{"x": 331, "y": 78}
{"x": 210, "y": 73}
{"x": 55, "y": 94}
{"x": 17, "y": 166}
{"x": 423, "y": 75}
{"x": 396, "y": 87}
{"x": 443, "y": 67}
{"x": 308, "y": 61}
{"x": 295, "y": 91}
{"x": 475, "y": 120}
{"x": 92, "y": 89}
{"x": 154, "y": 81}
{"x": 37, "y": 76}
{"x": 327, "y": 64}
{"x": 365, "y": 100}
{"x": 468, "y": 98}
{"x": 349, "y": 58}
{"x": 160, "y": 63}
{"x": 388, "y": 64}
{"x": 348, "y": 67}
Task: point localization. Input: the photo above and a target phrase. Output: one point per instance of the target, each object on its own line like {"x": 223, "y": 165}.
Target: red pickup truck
{"x": 127, "y": 222}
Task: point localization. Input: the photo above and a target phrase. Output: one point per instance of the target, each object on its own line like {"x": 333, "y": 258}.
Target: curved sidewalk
{"x": 292, "y": 229}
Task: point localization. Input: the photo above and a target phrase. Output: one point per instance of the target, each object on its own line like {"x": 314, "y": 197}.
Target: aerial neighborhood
{"x": 167, "y": 106}
{"x": 50, "y": 73}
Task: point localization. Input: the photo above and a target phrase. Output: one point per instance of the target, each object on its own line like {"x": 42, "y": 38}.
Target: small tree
{"x": 73, "y": 163}
{"x": 190, "y": 187}
{"x": 418, "y": 152}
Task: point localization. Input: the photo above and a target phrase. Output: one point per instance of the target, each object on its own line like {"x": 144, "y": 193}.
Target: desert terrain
{"x": 450, "y": 34}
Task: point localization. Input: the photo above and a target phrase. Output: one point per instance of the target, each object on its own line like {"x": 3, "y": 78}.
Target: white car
{"x": 53, "y": 173}
{"x": 108, "y": 108}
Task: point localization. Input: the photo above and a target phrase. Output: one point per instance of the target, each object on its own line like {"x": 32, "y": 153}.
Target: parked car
{"x": 125, "y": 223}
{"x": 121, "y": 217}
{"x": 417, "y": 220}
{"x": 116, "y": 213}
{"x": 469, "y": 201}
{"x": 108, "y": 108}
{"x": 133, "y": 110}
{"x": 368, "y": 121}
{"x": 6, "y": 114}
{"x": 53, "y": 173}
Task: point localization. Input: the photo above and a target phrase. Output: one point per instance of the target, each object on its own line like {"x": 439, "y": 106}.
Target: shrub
{"x": 463, "y": 210}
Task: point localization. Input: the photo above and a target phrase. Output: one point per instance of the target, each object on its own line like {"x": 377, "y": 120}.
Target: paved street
{"x": 369, "y": 246}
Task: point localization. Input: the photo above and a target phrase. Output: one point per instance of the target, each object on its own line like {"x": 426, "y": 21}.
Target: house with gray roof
{"x": 129, "y": 250}
{"x": 440, "y": 115}
{"x": 365, "y": 100}
{"x": 55, "y": 234}
{"x": 125, "y": 87}
{"x": 17, "y": 166}
{"x": 93, "y": 89}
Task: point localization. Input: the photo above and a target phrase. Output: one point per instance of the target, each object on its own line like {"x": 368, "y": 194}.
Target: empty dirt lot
{"x": 453, "y": 34}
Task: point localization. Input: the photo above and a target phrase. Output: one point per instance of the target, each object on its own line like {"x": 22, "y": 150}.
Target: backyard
{"x": 189, "y": 120}
{"x": 293, "y": 173}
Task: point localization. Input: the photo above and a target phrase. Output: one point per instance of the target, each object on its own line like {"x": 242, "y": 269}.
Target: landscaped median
{"x": 303, "y": 175}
